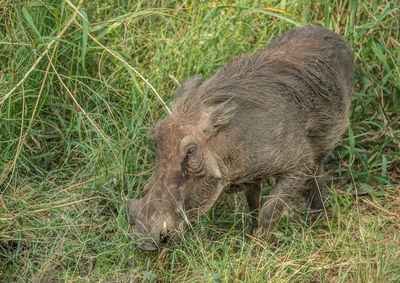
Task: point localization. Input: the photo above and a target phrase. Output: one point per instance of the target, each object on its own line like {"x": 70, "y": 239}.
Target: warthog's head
{"x": 188, "y": 179}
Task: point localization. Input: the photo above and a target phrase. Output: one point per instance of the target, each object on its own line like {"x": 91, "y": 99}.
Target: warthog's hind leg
{"x": 253, "y": 196}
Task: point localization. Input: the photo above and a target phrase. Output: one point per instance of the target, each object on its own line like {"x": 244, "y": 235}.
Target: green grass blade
{"x": 352, "y": 142}
{"x": 378, "y": 50}
{"x": 30, "y": 21}
{"x": 384, "y": 165}
{"x": 85, "y": 32}
{"x": 273, "y": 14}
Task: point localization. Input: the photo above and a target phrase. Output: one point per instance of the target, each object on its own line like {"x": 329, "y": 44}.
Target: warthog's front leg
{"x": 318, "y": 191}
{"x": 286, "y": 191}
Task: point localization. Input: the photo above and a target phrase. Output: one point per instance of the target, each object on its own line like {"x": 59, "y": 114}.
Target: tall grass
{"x": 83, "y": 83}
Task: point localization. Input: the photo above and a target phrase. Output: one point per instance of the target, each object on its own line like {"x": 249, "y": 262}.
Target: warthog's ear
{"x": 217, "y": 117}
{"x": 187, "y": 86}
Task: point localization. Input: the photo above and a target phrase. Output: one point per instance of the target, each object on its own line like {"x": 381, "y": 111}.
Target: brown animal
{"x": 276, "y": 113}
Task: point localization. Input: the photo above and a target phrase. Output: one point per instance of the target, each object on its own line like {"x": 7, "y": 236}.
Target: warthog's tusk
{"x": 164, "y": 229}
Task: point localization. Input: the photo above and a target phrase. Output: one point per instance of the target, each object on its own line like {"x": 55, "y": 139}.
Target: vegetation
{"x": 83, "y": 83}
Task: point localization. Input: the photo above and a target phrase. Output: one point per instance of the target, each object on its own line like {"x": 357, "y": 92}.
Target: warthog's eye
{"x": 191, "y": 151}
{"x": 191, "y": 156}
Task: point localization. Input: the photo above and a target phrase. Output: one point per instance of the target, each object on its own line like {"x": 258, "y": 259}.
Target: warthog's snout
{"x": 150, "y": 231}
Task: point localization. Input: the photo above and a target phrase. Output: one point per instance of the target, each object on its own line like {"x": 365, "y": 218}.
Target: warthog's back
{"x": 311, "y": 66}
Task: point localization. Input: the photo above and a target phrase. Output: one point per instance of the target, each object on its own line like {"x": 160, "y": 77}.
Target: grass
{"x": 78, "y": 101}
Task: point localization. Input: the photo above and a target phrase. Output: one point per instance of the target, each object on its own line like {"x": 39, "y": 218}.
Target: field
{"x": 84, "y": 82}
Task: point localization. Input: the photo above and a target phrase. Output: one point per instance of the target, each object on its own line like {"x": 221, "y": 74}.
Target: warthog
{"x": 274, "y": 114}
